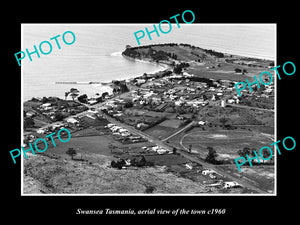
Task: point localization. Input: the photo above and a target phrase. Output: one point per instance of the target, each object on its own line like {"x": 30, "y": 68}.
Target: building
{"x": 72, "y": 120}
{"x": 46, "y": 105}
{"x": 230, "y": 101}
{"x": 222, "y": 103}
{"x": 156, "y": 99}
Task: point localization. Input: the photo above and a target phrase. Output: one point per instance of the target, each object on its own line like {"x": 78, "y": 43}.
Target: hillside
{"x": 203, "y": 62}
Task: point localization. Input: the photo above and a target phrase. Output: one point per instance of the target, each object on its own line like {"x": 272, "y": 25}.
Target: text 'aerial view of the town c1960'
{"x": 176, "y": 131}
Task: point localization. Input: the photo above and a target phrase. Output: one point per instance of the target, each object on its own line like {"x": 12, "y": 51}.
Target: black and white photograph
{"x": 166, "y": 117}
{"x": 142, "y": 111}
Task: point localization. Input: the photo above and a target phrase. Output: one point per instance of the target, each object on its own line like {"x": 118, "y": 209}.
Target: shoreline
{"x": 94, "y": 85}
{"x": 149, "y": 61}
{"x": 164, "y": 66}
{"x": 104, "y": 84}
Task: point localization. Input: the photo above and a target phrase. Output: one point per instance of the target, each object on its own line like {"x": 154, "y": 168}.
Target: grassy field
{"x": 182, "y": 52}
{"x": 85, "y": 144}
{"x": 226, "y": 72}
{"x": 260, "y": 175}
{"x": 236, "y": 116}
{"x": 173, "y": 123}
{"x": 160, "y": 132}
{"x": 225, "y": 142}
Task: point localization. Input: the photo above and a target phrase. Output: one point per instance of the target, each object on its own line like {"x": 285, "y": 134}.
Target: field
{"x": 173, "y": 123}
{"x": 237, "y": 116}
{"x": 64, "y": 176}
{"x": 261, "y": 176}
{"x": 225, "y": 142}
{"x": 84, "y": 144}
{"x": 223, "y": 71}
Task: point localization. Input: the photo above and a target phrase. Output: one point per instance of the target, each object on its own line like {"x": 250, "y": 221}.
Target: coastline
{"x": 91, "y": 134}
{"x": 165, "y": 66}
{"x": 149, "y": 61}
{"x": 93, "y": 87}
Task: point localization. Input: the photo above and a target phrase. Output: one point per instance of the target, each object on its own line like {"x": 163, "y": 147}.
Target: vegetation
{"x": 71, "y": 152}
{"x": 254, "y": 101}
{"x": 178, "y": 68}
{"x": 214, "y": 53}
{"x": 121, "y": 87}
{"x": 246, "y": 151}
{"x": 265, "y": 154}
{"x": 82, "y": 98}
{"x": 151, "y": 53}
{"x": 211, "y": 156}
{"x": 28, "y": 122}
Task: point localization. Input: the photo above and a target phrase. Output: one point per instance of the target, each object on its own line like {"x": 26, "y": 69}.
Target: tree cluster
{"x": 214, "y": 53}
{"x": 211, "y": 156}
{"x": 178, "y": 68}
{"x": 121, "y": 86}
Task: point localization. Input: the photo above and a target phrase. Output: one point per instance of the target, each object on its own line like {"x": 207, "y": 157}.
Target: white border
{"x": 124, "y": 194}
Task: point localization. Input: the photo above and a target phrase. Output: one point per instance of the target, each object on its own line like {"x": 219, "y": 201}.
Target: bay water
{"x": 96, "y": 56}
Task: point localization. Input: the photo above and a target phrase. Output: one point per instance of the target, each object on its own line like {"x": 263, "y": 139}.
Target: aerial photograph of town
{"x": 172, "y": 126}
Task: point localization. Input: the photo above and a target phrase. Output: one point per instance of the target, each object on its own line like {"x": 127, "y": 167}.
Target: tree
{"x": 174, "y": 150}
{"x": 190, "y": 148}
{"x": 73, "y": 95}
{"x": 211, "y": 156}
{"x": 71, "y": 152}
{"x": 82, "y": 98}
{"x": 252, "y": 152}
{"x": 66, "y": 94}
{"x": 123, "y": 87}
{"x": 245, "y": 151}
{"x": 177, "y": 69}
{"x": 128, "y": 105}
{"x": 104, "y": 94}
{"x": 265, "y": 154}
{"x": 237, "y": 70}
{"x": 224, "y": 120}
{"x": 74, "y": 90}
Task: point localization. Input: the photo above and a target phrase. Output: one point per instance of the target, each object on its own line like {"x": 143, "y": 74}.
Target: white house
{"x": 178, "y": 103}
{"x": 72, "y": 120}
{"x": 206, "y": 172}
{"x": 201, "y": 123}
{"x": 122, "y": 130}
{"x": 46, "y": 105}
{"x": 41, "y": 131}
{"x": 230, "y": 184}
{"x": 230, "y": 101}
{"x": 223, "y": 103}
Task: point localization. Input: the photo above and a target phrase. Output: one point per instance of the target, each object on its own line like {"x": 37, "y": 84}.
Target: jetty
{"x": 78, "y": 82}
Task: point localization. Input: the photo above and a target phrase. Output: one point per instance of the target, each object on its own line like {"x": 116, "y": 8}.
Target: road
{"x": 249, "y": 107}
{"x": 161, "y": 143}
{"x": 181, "y": 130}
{"x": 187, "y": 155}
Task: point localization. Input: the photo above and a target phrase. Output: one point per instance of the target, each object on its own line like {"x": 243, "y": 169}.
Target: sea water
{"x": 96, "y": 54}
